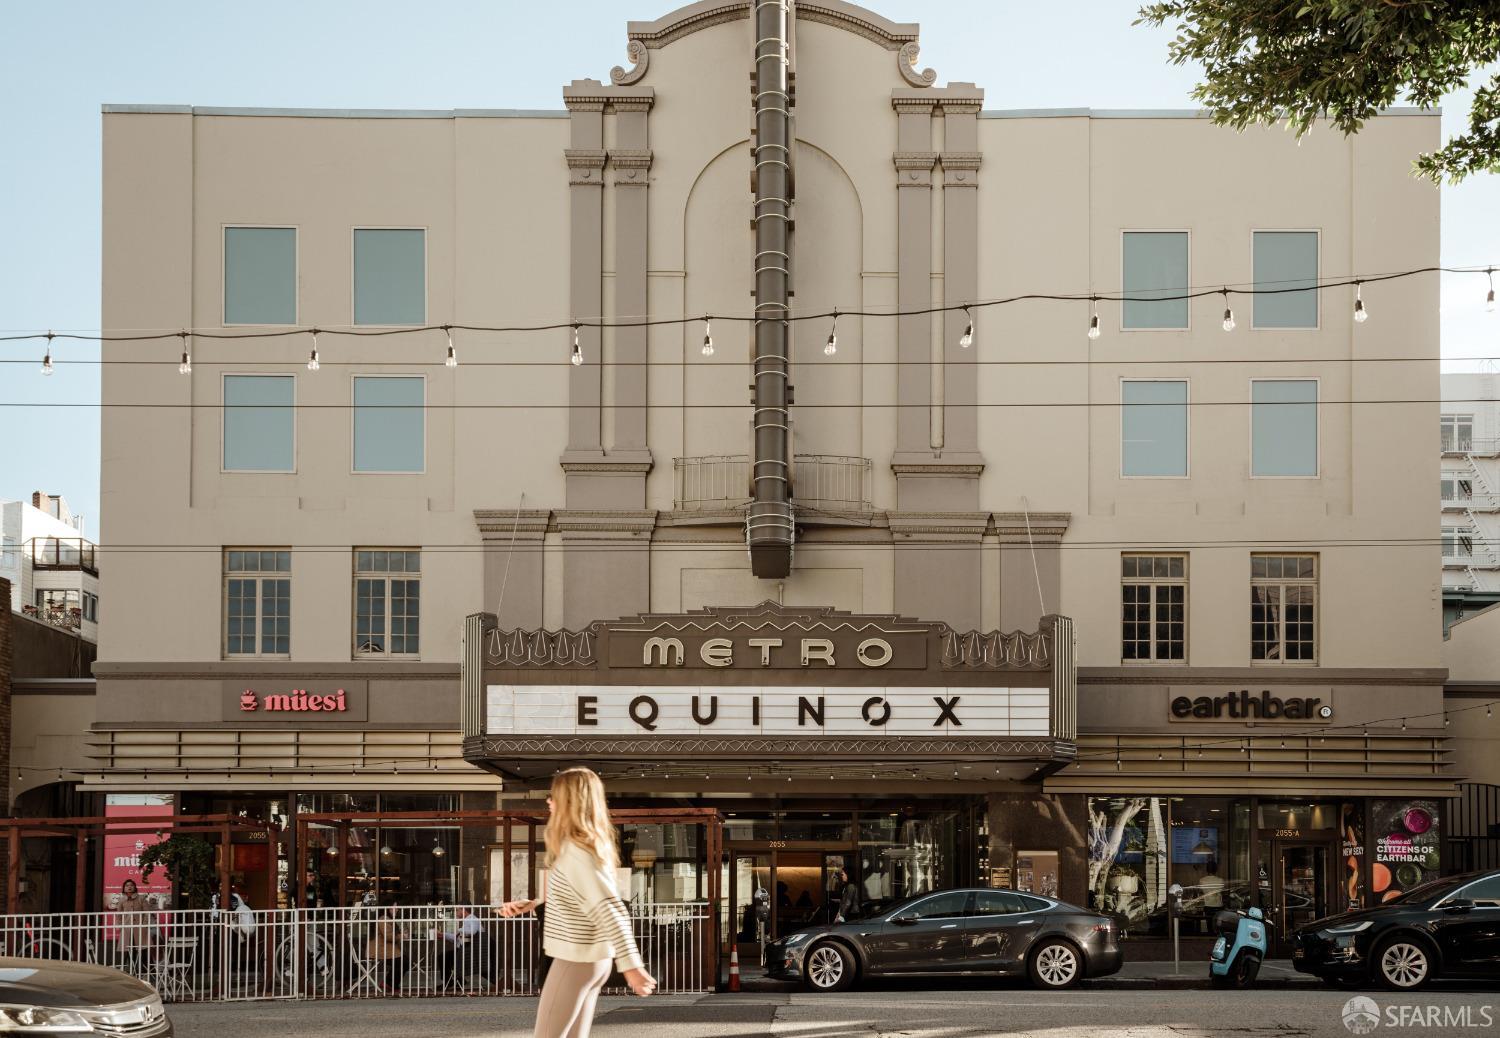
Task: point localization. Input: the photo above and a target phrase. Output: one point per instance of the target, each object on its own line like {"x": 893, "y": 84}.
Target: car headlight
{"x": 1347, "y": 928}
{"x": 796, "y": 938}
{"x": 41, "y": 1020}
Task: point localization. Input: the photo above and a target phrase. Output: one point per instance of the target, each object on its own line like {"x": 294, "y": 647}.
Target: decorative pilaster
{"x": 585, "y": 161}
{"x": 937, "y": 572}
{"x": 960, "y": 159}
{"x": 630, "y": 169}
{"x": 514, "y": 563}
{"x": 914, "y": 161}
{"x": 1020, "y": 536}
{"x": 606, "y": 564}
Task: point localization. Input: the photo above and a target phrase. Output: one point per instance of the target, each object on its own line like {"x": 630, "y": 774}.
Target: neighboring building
{"x": 1473, "y": 697}
{"x": 1206, "y": 527}
{"x": 1470, "y": 490}
{"x": 50, "y": 564}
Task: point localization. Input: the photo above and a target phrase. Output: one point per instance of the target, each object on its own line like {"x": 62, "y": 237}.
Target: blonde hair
{"x": 580, "y": 815}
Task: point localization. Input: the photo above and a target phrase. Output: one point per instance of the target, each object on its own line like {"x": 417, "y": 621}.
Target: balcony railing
{"x": 62, "y": 553}
{"x": 69, "y": 618}
{"x": 828, "y": 482}
{"x": 1472, "y": 503}
{"x": 1469, "y": 445}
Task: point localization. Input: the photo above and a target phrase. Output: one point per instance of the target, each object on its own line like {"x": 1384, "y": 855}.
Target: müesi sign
{"x": 298, "y": 700}
{"x": 295, "y": 702}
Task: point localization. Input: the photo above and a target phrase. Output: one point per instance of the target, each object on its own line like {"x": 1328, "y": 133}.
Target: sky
{"x": 61, "y": 59}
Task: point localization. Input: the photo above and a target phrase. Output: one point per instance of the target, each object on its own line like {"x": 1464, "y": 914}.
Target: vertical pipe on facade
{"x": 769, "y": 527}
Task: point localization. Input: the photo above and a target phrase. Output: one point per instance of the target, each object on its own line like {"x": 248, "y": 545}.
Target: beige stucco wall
{"x": 1054, "y": 194}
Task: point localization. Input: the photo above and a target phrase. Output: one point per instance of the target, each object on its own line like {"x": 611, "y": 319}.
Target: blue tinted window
{"x": 1286, "y": 260}
{"x": 389, "y": 424}
{"x": 260, "y": 275}
{"x": 1153, "y": 428}
{"x": 390, "y": 276}
{"x": 258, "y": 429}
{"x": 1156, "y": 265}
{"x": 1284, "y": 427}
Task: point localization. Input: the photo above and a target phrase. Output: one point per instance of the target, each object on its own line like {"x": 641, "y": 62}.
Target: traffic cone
{"x": 734, "y": 969}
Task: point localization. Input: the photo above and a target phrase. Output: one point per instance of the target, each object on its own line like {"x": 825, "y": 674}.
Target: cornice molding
{"x": 577, "y": 524}
{"x": 753, "y": 747}
{"x": 499, "y": 524}
{"x": 585, "y": 166}
{"x": 1045, "y": 527}
{"x": 938, "y": 526}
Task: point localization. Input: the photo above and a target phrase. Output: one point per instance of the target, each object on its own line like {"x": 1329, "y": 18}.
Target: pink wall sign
{"x": 122, "y": 854}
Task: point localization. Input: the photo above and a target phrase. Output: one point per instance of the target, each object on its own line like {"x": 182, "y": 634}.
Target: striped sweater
{"x": 585, "y": 920}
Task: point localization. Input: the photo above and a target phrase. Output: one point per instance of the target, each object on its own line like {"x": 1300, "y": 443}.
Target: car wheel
{"x": 1054, "y": 964}
{"x": 1403, "y": 964}
{"x": 828, "y": 967}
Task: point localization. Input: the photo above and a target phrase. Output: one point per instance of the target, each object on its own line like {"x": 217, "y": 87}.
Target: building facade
{"x": 50, "y": 564}
{"x": 1470, "y": 446}
{"x": 1256, "y": 687}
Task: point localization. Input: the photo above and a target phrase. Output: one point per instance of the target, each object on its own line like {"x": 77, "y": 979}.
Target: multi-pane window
{"x": 1286, "y": 276}
{"x": 1458, "y": 542}
{"x": 91, "y": 607}
{"x": 260, "y": 275}
{"x": 389, "y": 423}
{"x": 390, "y": 275}
{"x": 257, "y": 602}
{"x": 1457, "y": 489}
{"x": 1153, "y": 615}
{"x": 259, "y": 423}
{"x": 387, "y": 602}
{"x": 1457, "y": 433}
{"x": 1153, "y": 427}
{"x": 1283, "y": 608}
{"x": 1284, "y": 427}
{"x": 1155, "y": 267}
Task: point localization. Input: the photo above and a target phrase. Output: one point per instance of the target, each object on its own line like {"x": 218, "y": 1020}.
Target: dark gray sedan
{"x": 46, "y": 996}
{"x": 979, "y": 932}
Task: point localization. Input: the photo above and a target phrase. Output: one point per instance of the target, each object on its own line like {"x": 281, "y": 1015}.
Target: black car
{"x": 49, "y": 997}
{"x": 1448, "y": 927}
{"x": 957, "y": 932}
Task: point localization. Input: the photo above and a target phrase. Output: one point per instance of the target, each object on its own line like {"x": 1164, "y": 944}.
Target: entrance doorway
{"x": 1301, "y": 886}
{"x": 777, "y": 887}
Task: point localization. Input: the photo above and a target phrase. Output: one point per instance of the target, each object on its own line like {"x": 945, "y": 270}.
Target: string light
{"x": 1361, "y": 315}
{"x": 186, "y": 366}
{"x": 452, "y": 358}
{"x": 312, "y": 360}
{"x": 832, "y": 345}
{"x": 967, "y": 338}
{"x": 708, "y": 338}
{"x": 1489, "y": 300}
{"x": 47, "y": 358}
{"x": 1228, "y": 313}
{"x": 577, "y": 357}
{"x": 1094, "y": 320}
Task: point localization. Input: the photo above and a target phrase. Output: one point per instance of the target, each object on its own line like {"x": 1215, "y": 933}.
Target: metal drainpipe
{"x": 769, "y": 526}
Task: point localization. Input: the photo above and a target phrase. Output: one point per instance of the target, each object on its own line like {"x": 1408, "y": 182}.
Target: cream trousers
{"x": 568, "y": 997}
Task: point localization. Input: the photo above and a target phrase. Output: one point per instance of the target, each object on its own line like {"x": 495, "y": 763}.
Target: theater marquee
{"x": 765, "y": 683}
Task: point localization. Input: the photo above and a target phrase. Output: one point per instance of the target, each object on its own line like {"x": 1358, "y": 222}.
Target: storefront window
{"x": 1128, "y": 854}
{"x": 902, "y": 854}
{"x": 1407, "y": 838}
{"x": 1210, "y": 858}
{"x": 1288, "y": 819}
{"x": 665, "y": 863}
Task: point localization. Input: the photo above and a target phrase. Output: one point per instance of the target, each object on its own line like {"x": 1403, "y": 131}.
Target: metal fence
{"x": 317, "y": 953}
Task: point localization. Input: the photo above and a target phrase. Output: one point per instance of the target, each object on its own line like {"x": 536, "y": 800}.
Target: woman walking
{"x": 586, "y": 929}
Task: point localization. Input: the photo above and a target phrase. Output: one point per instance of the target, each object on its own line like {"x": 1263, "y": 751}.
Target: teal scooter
{"x": 1240, "y": 949}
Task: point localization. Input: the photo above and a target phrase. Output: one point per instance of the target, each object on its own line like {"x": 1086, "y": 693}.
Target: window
{"x": 939, "y": 906}
{"x": 1155, "y": 265}
{"x": 1283, "y": 608}
{"x": 257, "y": 602}
{"x": 10, "y": 555}
{"x": 259, "y": 430}
{"x": 1456, "y": 488}
{"x": 390, "y": 276}
{"x": 260, "y": 275}
{"x": 1004, "y": 902}
{"x": 389, "y": 423}
{"x": 58, "y": 600}
{"x": 387, "y": 602}
{"x": 1153, "y": 428}
{"x": 91, "y": 607}
{"x": 1153, "y": 607}
{"x": 1457, "y": 433}
{"x": 1485, "y": 892}
{"x": 1285, "y": 260}
{"x": 1284, "y": 427}
{"x": 1458, "y": 542}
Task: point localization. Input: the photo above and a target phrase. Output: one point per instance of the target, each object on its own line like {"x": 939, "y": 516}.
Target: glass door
{"x": 1301, "y": 893}
{"x": 749, "y": 884}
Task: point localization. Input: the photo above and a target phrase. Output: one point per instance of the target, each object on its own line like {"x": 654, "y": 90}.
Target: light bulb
{"x": 967, "y": 338}
{"x": 708, "y": 338}
{"x": 1228, "y": 313}
{"x": 577, "y": 357}
{"x": 186, "y": 366}
{"x": 47, "y": 358}
{"x": 312, "y": 360}
{"x": 452, "y": 360}
{"x": 832, "y": 346}
{"x": 437, "y": 850}
{"x": 1361, "y": 315}
{"x": 1489, "y": 300}
{"x": 1094, "y": 319}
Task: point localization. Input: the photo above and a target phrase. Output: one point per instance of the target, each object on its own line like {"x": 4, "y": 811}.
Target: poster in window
{"x": 1407, "y": 841}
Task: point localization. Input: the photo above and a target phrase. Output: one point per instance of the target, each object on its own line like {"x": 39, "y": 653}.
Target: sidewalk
{"x": 1133, "y": 976}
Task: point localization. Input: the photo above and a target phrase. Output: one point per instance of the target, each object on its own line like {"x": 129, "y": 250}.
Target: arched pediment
{"x": 899, "y": 37}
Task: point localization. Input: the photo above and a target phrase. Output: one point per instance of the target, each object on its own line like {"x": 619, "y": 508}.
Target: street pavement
{"x": 885, "y": 1011}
